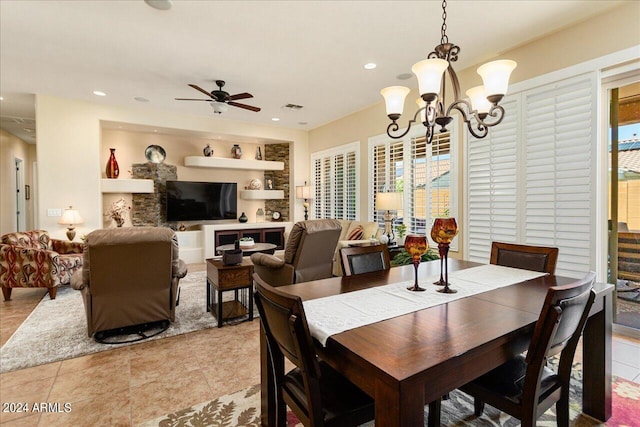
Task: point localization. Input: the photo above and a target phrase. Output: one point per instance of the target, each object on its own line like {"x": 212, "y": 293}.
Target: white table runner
{"x": 338, "y": 313}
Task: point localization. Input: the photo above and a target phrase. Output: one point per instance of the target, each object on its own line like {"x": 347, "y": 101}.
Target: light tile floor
{"x": 126, "y": 386}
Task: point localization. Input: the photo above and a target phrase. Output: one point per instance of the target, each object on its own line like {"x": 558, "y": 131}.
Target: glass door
{"x": 624, "y": 202}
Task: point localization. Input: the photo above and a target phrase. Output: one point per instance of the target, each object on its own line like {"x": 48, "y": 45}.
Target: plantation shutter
{"x": 492, "y": 176}
{"x": 560, "y": 160}
{"x": 379, "y": 156}
{"x": 335, "y": 178}
{"x": 416, "y": 197}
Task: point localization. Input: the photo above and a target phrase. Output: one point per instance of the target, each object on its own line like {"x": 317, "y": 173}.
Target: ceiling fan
{"x": 219, "y": 99}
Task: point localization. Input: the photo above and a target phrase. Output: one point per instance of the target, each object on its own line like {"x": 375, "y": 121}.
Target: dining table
{"x": 410, "y": 360}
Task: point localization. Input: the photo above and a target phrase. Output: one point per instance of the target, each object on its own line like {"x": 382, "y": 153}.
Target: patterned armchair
{"x": 31, "y": 259}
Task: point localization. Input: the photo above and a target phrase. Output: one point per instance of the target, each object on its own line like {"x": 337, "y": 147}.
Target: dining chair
{"x": 364, "y": 259}
{"x": 525, "y": 386}
{"x": 535, "y": 258}
{"x": 315, "y": 392}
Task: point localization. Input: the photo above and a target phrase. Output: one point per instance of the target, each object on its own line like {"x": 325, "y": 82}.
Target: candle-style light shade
{"x": 70, "y": 217}
{"x": 495, "y": 76}
{"x": 394, "y": 97}
{"x": 429, "y": 73}
{"x": 478, "y": 98}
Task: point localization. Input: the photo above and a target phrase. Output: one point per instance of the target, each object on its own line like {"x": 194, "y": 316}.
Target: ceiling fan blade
{"x": 192, "y": 99}
{"x": 245, "y": 106}
{"x": 198, "y": 88}
{"x": 244, "y": 95}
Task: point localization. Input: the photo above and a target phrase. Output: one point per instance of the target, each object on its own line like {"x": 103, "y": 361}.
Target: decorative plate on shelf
{"x": 155, "y": 154}
{"x": 255, "y": 184}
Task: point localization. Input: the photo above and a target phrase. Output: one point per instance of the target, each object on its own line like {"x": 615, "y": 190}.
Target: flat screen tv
{"x": 201, "y": 201}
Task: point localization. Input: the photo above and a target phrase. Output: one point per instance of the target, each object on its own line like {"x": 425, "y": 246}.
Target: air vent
{"x": 292, "y": 107}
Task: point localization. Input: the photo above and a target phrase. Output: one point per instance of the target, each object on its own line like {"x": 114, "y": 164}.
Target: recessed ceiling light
{"x": 99, "y": 93}
{"x": 404, "y": 76}
{"x": 1, "y": 98}
{"x": 159, "y": 4}
{"x": 303, "y": 123}
{"x": 141, "y": 99}
{"x": 370, "y": 66}
{"x": 275, "y": 119}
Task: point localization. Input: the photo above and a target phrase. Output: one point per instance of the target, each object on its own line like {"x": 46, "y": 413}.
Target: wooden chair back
{"x": 535, "y": 258}
{"x": 364, "y": 259}
{"x": 285, "y": 326}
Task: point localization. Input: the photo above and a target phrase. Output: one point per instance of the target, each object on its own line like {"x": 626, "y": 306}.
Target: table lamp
{"x": 389, "y": 202}
{"x": 70, "y": 218}
{"x": 304, "y": 192}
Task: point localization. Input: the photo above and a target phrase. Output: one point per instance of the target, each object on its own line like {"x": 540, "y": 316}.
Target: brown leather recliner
{"x": 129, "y": 277}
{"x": 308, "y": 254}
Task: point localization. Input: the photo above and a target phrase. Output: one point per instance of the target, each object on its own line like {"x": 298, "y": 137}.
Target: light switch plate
{"x": 54, "y": 212}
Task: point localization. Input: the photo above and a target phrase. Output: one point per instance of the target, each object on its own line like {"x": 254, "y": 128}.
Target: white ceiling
{"x": 309, "y": 53}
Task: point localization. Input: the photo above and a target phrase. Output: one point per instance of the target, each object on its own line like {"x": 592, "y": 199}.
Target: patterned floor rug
{"x": 242, "y": 409}
{"x": 57, "y": 329}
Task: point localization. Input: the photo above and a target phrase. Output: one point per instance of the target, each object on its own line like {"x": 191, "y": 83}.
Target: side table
{"x": 236, "y": 278}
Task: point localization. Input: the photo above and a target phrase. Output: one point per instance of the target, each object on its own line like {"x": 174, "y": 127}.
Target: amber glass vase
{"x": 113, "y": 171}
{"x": 416, "y": 245}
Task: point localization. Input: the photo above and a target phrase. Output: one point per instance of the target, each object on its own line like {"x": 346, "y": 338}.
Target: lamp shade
{"x": 495, "y": 76}
{"x": 388, "y": 201}
{"x": 303, "y": 192}
{"x": 479, "y": 101}
{"x": 394, "y": 99}
{"x": 70, "y": 216}
{"x": 429, "y": 73}
{"x": 219, "y": 107}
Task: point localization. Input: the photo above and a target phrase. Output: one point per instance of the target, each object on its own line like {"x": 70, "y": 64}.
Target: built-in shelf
{"x": 127, "y": 185}
{"x": 261, "y": 194}
{"x": 227, "y": 163}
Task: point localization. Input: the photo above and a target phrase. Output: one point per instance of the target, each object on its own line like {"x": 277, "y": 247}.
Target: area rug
{"x": 57, "y": 329}
{"x": 242, "y": 409}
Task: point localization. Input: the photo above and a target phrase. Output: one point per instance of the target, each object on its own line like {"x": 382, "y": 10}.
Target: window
{"x": 335, "y": 179}
{"x": 428, "y": 183}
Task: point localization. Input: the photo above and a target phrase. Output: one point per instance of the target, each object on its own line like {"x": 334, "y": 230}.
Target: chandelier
{"x": 482, "y": 107}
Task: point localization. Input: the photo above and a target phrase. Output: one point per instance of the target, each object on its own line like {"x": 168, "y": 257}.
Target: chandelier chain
{"x": 444, "y": 39}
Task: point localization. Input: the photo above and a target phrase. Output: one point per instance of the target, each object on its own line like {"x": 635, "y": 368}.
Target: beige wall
{"x": 608, "y": 33}
{"x": 72, "y": 156}
{"x": 12, "y": 147}
{"x": 130, "y": 147}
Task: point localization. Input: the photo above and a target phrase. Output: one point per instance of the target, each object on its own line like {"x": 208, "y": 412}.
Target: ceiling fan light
{"x": 479, "y": 101}
{"x": 429, "y": 73}
{"x": 495, "y": 76}
{"x": 219, "y": 107}
{"x": 394, "y": 97}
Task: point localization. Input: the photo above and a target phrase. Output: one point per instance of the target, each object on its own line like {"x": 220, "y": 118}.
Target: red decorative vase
{"x": 113, "y": 171}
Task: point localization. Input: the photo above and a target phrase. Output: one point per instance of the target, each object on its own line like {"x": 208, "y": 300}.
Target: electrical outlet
{"x": 54, "y": 212}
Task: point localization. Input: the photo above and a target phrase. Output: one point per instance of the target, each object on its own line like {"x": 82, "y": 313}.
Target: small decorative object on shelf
{"x": 276, "y": 216}
{"x": 112, "y": 170}
{"x": 207, "y": 151}
{"x": 255, "y": 184}
{"x": 243, "y": 218}
{"x": 236, "y": 151}
{"x": 269, "y": 184}
{"x": 258, "y": 153}
{"x": 155, "y": 154}
{"x": 443, "y": 232}
{"x": 416, "y": 245}
{"x": 182, "y": 227}
{"x": 118, "y": 211}
{"x": 260, "y": 215}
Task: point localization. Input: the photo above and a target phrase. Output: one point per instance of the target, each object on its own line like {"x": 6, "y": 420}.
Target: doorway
{"x": 624, "y": 201}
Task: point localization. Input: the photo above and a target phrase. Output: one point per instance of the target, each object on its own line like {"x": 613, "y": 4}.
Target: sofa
{"x": 354, "y": 232}
{"x": 31, "y": 259}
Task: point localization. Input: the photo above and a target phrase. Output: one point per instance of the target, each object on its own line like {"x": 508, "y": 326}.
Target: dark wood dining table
{"x": 411, "y": 360}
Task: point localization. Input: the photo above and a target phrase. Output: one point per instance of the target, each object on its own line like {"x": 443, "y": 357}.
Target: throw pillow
{"x": 356, "y": 233}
